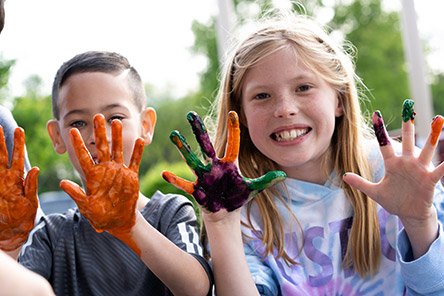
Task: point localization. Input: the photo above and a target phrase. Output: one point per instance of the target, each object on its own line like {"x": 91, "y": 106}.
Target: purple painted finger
{"x": 202, "y": 137}
{"x": 380, "y": 131}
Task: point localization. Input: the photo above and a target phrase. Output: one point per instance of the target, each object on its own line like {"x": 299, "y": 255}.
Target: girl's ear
{"x": 339, "y": 110}
{"x": 148, "y": 118}
{"x": 54, "y": 133}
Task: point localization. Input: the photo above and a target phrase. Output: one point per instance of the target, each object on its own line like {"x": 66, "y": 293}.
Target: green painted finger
{"x": 190, "y": 158}
{"x": 265, "y": 181}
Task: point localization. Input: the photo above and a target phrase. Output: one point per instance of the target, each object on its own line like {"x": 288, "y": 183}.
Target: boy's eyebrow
{"x": 82, "y": 111}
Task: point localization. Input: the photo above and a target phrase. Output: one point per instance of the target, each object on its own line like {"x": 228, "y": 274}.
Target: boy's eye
{"x": 262, "y": 96}
{"x": 304, "y": 87}
{"x": 77, "y": 124}
{"x": 115, "y": 117}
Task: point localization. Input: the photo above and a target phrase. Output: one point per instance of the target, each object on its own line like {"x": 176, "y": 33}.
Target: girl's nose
{"x": 285, "y": 107}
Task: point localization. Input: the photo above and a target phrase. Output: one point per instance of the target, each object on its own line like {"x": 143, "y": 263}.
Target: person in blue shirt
{"x": 352, "y": 217}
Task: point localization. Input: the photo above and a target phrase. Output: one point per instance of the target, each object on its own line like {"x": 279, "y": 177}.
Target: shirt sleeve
{"x": 36, "y": 253}
{"x": 425, "y": 275}
{"x": 178, "y": 223}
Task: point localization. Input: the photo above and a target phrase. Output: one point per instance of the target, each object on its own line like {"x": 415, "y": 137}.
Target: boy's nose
{"x": 285, "y": 107}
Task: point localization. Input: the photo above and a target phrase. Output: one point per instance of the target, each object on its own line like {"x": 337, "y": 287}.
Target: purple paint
{"x": 380, "y": 132}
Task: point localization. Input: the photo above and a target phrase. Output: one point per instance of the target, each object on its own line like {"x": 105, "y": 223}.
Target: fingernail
{"x": 437, "y": 124}
{"x": 407, "y": 111}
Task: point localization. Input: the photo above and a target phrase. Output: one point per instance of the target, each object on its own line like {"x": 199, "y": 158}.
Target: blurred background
{"x": 177, "y": 47}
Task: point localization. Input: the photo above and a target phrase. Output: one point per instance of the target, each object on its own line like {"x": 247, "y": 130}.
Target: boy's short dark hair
{"x": 98, "y": 61}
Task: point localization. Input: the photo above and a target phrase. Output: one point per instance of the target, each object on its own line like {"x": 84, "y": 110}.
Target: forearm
{"x": 421, "y": 233}
{"x": 178, "y": 270}
{"x": 230, "y": 268}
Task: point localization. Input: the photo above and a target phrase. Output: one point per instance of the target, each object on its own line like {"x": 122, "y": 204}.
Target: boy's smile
{"x": 85, "y": 94}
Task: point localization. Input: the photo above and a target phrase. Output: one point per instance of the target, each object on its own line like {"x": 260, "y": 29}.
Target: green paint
{"x": 191, "y": 159}
{"x": 266, "y": 180}
{"x": 378, "y": 113}
{"x": 407, "y": 110}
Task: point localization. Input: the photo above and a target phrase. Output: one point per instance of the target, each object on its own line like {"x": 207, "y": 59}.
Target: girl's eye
{"x": 303, "y": 88}
{"x": 262, "y": 96}
{"x": 77, "y": 124}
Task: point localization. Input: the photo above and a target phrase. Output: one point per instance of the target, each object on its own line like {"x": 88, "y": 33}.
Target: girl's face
{"x": 290, "y": 114}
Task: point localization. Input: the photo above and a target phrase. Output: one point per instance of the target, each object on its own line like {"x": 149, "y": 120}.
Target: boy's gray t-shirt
{"x": 76, "y": 260}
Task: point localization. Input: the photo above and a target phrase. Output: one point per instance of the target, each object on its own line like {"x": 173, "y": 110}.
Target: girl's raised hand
{"x": 407, "y": 188}
{"x": 219, "y": 183}
{"x": 112, "y": 189}
{"x": 18, "y": 197}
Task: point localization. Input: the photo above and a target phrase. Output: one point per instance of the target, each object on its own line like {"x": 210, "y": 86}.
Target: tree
{"x": 5, "y": 69}
{"x": 380, "y": 56}
{"x": 32, "y": 112}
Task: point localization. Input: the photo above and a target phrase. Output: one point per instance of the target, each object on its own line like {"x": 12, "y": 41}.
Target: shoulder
{"x": 168, "y": 207}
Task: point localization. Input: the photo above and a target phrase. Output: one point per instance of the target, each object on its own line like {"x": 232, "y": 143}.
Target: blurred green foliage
{"x": 380, "y": 63}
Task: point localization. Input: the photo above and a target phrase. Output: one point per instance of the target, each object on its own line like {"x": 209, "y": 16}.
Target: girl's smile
{"x": 290, "y": 113}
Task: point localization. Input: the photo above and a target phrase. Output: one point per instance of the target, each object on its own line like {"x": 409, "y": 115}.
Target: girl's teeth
{"x": 290, "y": 135}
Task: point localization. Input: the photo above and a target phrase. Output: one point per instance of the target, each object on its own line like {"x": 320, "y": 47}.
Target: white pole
{"x": 224, "y": 26}
{"x": 419, "y": 89}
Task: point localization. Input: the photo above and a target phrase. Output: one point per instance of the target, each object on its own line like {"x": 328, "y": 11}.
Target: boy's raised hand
{"x": 112, "y": 189}
{"x": 407, "y": 189}
{"x": 18, "y": 197}
{"x": 219, "y": 183}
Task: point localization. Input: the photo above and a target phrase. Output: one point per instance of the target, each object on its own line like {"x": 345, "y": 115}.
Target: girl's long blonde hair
{"x": 317, "y": 51}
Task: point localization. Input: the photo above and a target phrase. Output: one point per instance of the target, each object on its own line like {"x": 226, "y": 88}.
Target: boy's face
{"x": 85, "y": 94}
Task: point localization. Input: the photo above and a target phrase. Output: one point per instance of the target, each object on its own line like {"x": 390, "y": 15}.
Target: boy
{"x": 75, "y": 253}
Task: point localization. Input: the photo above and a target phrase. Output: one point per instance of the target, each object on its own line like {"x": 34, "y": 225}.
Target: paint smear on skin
{"x": 380, "y": 131}
{"x": 407, "y": 111}
{"x": 200, "y": 132}
{"x": 437, "y": 124}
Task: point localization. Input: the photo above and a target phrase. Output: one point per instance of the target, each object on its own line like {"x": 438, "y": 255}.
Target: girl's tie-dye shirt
{"x": 325, "y": 217}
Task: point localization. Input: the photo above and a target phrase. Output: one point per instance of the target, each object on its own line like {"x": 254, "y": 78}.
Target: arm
{"x": 407, "y": 189}
{"x": 221, "y": 191}
{"x": 110, "y": 205}
{"x": 17, "y": 280}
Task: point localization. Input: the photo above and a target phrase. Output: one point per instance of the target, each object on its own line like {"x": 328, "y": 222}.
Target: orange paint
{"x": 112, "y": 188}
{"x": 437, "y": 124}
{"x": 18, "y": 197}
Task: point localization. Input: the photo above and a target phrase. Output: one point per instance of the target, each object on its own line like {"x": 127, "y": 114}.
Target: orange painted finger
{"x": 18, "y": 153}
{"x": 136, "y": 157}
{"x": 4, "y": 162}
{"x": 75, "y": 192}
{"x": 117, "y": 150}
{"x": 30, "y": 185}
{"x": 428, "y": 150}
{"x": 103, "y": 154}
{"x": 178, "y": 182}
{"x": 233, "y": 138}
{"x": 83, "y": 155}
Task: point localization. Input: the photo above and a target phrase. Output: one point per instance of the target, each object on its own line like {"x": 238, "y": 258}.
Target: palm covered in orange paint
{"x": 112, "y": 189}
{"x": 18, "y": 197}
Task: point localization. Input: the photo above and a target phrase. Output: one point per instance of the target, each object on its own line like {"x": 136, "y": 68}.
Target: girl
{"x": 323, "y": 231}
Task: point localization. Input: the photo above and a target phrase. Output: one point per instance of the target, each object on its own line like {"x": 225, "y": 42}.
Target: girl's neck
{"x": 310, "y": 172}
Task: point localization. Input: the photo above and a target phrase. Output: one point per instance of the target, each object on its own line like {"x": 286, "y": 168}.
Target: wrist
{"x": 421, "y": 233}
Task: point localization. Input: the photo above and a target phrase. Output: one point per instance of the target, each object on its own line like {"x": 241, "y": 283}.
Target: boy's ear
{"x": 54, "y": 133}
{"x": 148, "y": 119}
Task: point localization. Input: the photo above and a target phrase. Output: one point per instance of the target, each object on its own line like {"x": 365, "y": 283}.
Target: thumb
{"x": 359, "y": 183}
{"x": 30, "y": 186}
{"x": 75, "y": 192}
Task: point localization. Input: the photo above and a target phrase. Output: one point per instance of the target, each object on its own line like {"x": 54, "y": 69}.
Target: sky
{"x": 154, "y": 35}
